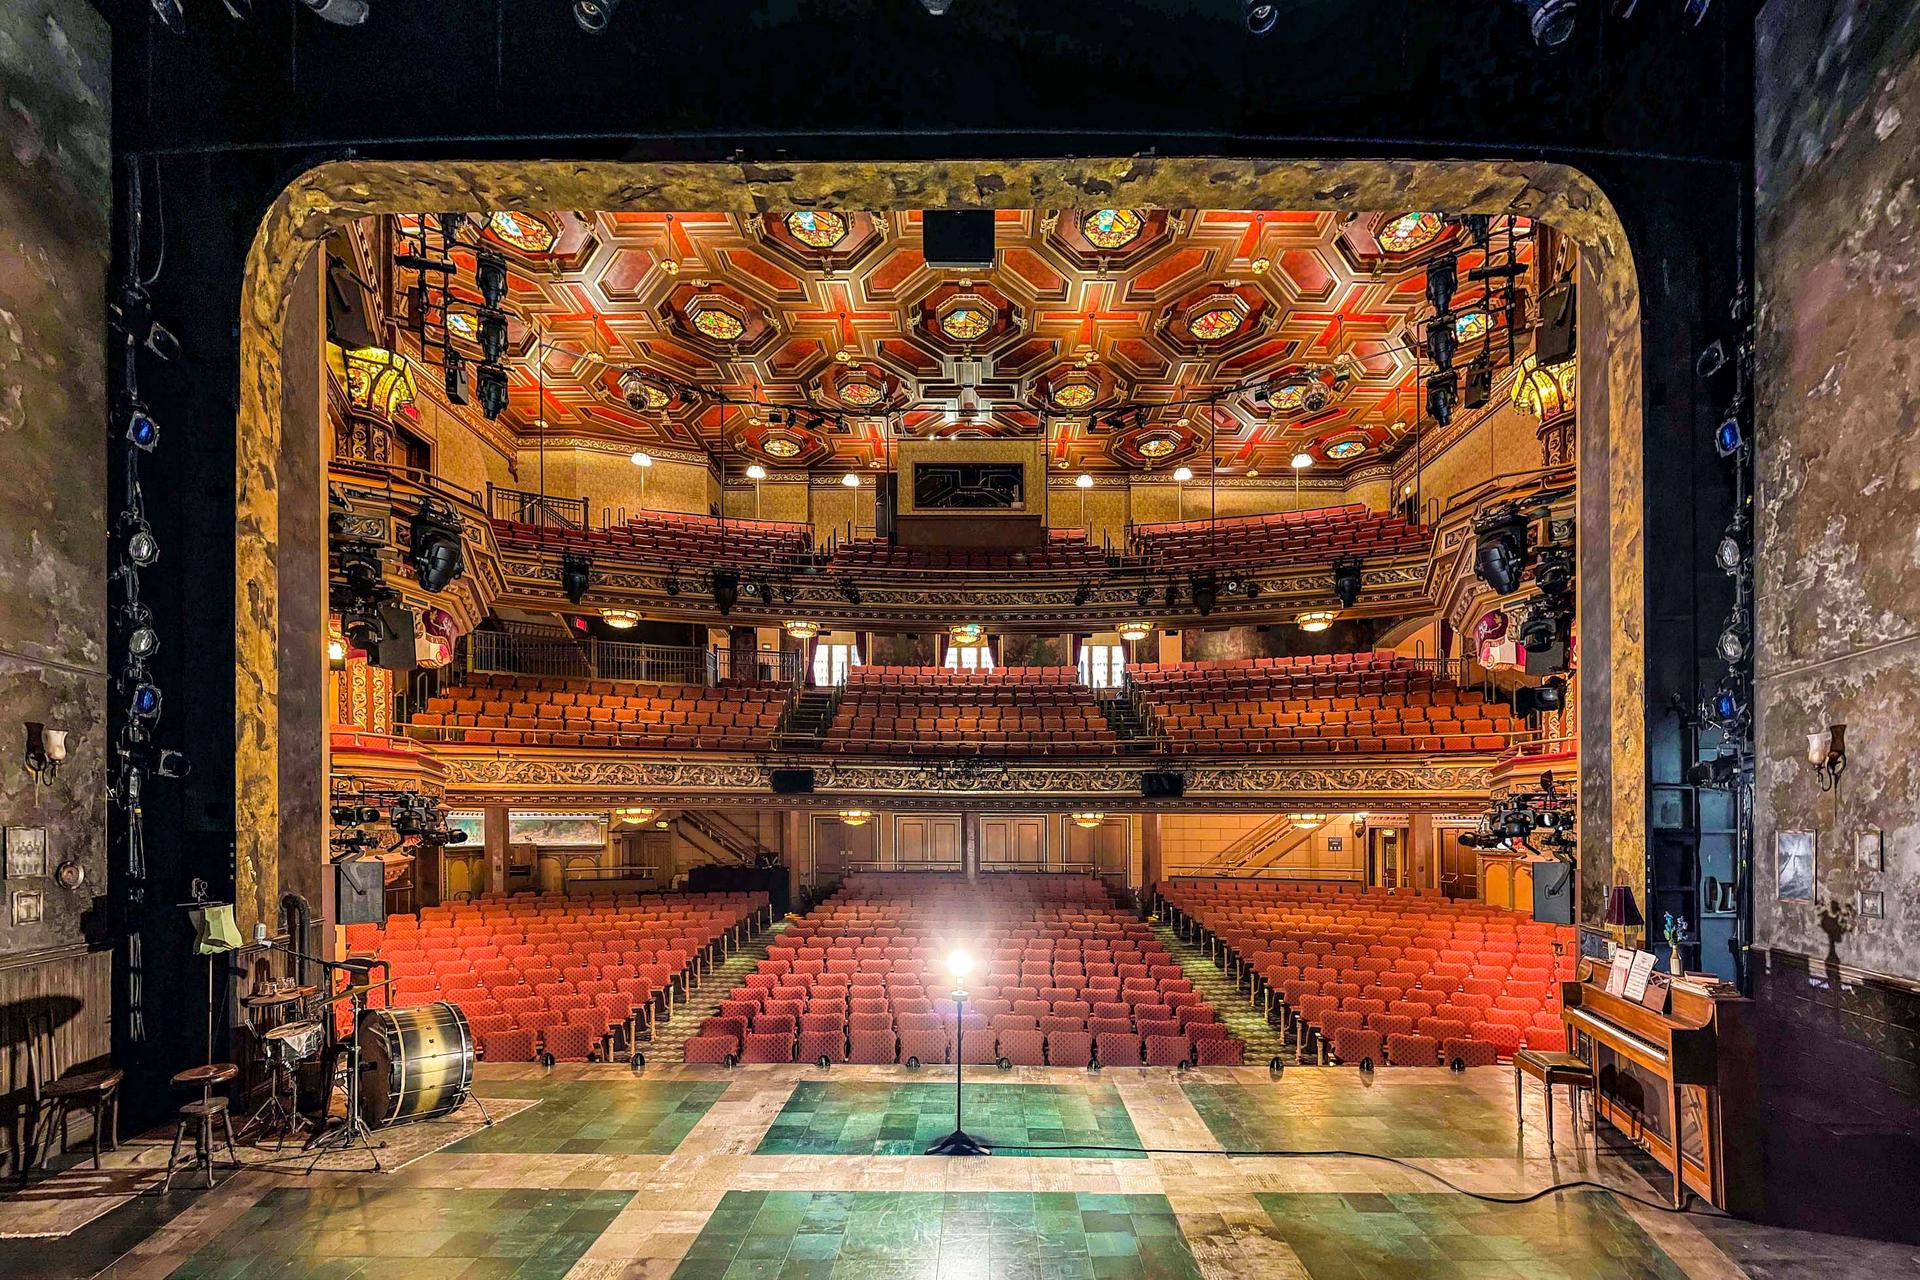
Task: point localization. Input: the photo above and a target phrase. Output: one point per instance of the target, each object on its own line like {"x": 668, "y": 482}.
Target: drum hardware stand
{"x": 352, "y": 1131}
{"x": 275, "y": 1116}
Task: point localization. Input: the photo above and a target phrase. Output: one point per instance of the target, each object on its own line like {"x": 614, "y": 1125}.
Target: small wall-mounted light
{"x": 336, "y": 654}
{"x": 46, "y": 751}
{"x": 1827, "y": 753}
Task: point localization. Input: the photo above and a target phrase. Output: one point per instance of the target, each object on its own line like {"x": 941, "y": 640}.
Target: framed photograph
{"x": 1793, "y": 865}
{"x": 1869, "y": 850}
{"x": 1336, "y": 844}
{"x": 29, "y": 905}
{"x": 1873, "y": 904}
{"x": 26, "y": 852}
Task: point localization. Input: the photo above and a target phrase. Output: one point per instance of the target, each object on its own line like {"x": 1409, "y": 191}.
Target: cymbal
{"x": 358, "y": 989}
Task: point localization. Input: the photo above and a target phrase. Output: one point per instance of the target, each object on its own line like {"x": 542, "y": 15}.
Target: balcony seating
{"x": 557, "y": 711}
{"x": 664, "y": 537}
{"x": 1013, "y": 711}
{"x": 868, "y": 965}
{"x": 1373, "y": 976}
{"x": 1063, "y": 552}
{"x": 1362, "y": 703}
{"x": 1319, "y": 535}
{"x": 569, "y": 977}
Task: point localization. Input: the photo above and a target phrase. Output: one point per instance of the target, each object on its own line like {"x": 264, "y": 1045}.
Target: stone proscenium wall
{"x": 1612, "y": 370}
{"x": 55, "y": 194}
{"x": 1838, "y": 434}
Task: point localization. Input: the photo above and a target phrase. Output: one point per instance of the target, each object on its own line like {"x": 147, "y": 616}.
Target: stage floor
{"x": 707, "y": 1174}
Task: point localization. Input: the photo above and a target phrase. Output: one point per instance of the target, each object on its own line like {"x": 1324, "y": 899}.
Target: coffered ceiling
{"x": 1127, "y": 339}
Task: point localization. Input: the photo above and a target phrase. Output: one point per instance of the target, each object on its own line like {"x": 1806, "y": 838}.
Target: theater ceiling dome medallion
{"x": 527, "y": 232}
{"x": 721, "y": 326}
{"x": 967, "y": 322}
{"x": 817, "y": 228}
{"x": 1075, "y": 395}
{"x": 782, "y": 447}
{"x": 1215, "y": 323}
{"x": 1112, "y": 228}
{"x": 1409, "y": 232}
{"x": 1158, "y": 446}
{"x": 1342, "y": 450}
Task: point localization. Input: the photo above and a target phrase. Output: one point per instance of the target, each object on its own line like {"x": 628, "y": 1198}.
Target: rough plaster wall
{"x": 1838, "y": 431}
{"x": 54, "y": 201}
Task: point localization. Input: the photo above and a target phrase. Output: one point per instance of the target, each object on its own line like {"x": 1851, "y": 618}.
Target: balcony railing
{"x": 525, "y": 653}
{"x": 544, "y": 509}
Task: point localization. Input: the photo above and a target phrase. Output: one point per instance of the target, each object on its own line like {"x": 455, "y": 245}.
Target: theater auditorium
{"x": 922, "y": 640}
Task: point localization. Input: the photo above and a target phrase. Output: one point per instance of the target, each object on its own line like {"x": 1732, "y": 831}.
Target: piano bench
{"x": 1551, "y": 1069}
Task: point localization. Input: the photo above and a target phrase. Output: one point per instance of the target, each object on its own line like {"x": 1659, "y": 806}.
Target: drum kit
{"x": 397, "y": 1065}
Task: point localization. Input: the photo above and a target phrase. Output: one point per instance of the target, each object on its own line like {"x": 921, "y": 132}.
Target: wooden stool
{"x": 1551, "y": 1069}
{"x": 201, "y": 1116}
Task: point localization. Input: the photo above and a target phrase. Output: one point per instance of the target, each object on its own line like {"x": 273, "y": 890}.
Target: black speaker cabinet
{"x": 360, "y": 895}
{"x": 1553, "y": 340}
{"x": 1553, "y": 892}
{"x": 959, "y": 238}
{"x": 791, "y": 782}
{"x": 1161, "y": 784}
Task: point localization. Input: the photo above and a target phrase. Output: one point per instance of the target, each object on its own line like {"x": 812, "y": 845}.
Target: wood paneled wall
{"x": 72, "y": 985}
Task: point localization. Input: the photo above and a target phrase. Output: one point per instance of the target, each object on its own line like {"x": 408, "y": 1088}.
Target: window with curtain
{"x": 831, "y": 662}
{"x": 973, "y": 658}
{"x": 1102, "y": 665}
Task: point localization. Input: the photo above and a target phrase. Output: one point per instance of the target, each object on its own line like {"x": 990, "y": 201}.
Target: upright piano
{"x": 1694, "y": 1061}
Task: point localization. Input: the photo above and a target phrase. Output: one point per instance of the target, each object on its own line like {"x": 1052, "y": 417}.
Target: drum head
{"x": 417, "y": 1063}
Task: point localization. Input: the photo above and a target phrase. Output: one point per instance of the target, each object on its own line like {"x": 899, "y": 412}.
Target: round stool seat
{"x": 204, "y": 1109}
{"x": 207, "y": 1075}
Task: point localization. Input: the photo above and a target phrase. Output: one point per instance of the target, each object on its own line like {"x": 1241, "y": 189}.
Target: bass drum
{"x": 415, "y": 1063}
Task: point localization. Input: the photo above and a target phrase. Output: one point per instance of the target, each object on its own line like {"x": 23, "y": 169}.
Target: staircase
{"x": 807, "y": 720}
{"x": 1123, "y": 719}
{"x": 719, "y": 838}
{"x": 669, "y": 1043}
{"x": 1261, "y": 849}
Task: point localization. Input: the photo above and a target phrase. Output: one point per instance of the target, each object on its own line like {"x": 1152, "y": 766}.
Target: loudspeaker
{"x": 1553, "y": 892}
{"x": 360, "y": 893}
{"x": 398, "y": 649}
{"x": 1161, "y": 784}
{"x": 1553, "y": 340}
{"x": 791, "y": 782}
{"x": 957, "y": 238}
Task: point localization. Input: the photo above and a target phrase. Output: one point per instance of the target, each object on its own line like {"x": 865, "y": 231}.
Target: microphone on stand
{"x": 260, "y": 935}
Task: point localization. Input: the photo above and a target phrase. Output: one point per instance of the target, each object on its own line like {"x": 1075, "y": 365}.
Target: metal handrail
{"x": 560, "y": 654}
{"x": 524, "y": 506}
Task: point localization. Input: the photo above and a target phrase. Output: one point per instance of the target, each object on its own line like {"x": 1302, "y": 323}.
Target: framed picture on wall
{"x": 1873, "y": 904}
{"x": 1869, "y": 850}
{"x": 26, "y": 852}
{"x": 1793, "y": 865}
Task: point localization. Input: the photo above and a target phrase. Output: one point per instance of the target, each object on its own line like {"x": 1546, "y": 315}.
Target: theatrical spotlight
{"x": 1443, "y": 392}
{"x": 1346, "y": 581}
{"x": 490, "y": 273}
{"x": 142, "y": 431}
{"x": 1540, "y": 628}
{"x": 936, "y": 7}
{"x": 145, "y": 703}
{"x": 341, "y": 13}
{"x": 1083, "y": 592}
{"x": 849, "y": 590}
{"x": 493, "y": 335}
{"x": 1719, "y": 772}
{"x": 1735, "y": 641}
{"x": 671, "y": 585}
{"x": 1442, "y": 340}
{"x": 491, "y": 382}
{"x": 1143, "y": 597}
{"x": 434, "y": 546}
{"x": 1551, "y": 21}
{"x": 1501, "y": 556}
{"x": 576, "y": 575}
{"x": 142, "y": 547}
{"x": 1443, "y": 279}
{"x": 1205, "y": 588}
{"x": 1728, "y": 438}
{"x": 1728, "y": 554}
{"x": 593, "y": 15}
{"x": 1260, "y": 15}
{"x": 726, "y": 590}
{"x": 360, "y": 566}
{"x": 1533, "y": 699}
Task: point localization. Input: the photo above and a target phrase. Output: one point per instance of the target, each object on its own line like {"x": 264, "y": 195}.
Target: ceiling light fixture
{"x": 1088, "y": 821}
{"x": 1135, "y": 631}
{"x": 855, "y": 817}
{"x": 1260, "y": 15}
{"x": 1551, "y": 21}
{"x": 1316, "y": 619}
{"x": 620, "y": 619}
{"x": 640, "y": 458}
{"x": 802, "y": 629}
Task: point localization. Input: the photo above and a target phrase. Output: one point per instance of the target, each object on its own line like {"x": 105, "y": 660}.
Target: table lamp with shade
{"x": 1622, "y": 911}
{"x": 215, "y": 932}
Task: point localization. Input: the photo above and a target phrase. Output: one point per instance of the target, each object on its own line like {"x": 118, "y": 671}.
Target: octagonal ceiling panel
{"x": 1177, "y": 313}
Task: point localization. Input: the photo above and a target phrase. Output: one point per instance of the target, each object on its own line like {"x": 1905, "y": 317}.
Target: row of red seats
{"x": 1062, "y": 977}
{"x": 674, "y": 539}
{"x": 564, "y": 978}
{"x": 1319, "y": 534}
{"x": 1375, "y": 977}
{"x": 734, "y": 716}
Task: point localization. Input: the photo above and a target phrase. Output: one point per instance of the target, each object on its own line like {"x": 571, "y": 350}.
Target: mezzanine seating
{"x": 1062, "y": 978}
{"x": 1380, "y": 977}
{"x": 552, "y": 975}
{"x": 561, "y": 711}
{"x": 662, "y": 537}
{"x": 1289, "y": 537}
{"x": 1362, "y": 703}
{"x": 1012, "y": 711}
{"x": 1063, "y": 552}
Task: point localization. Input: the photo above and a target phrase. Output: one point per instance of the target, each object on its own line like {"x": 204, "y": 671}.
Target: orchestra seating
{"x": 1012, "y": 711}
{"x": 669, "y": 538}
{"x": 1288, "y": 537}
{"x": 549, "y": 975}
{"x": 563, "y": 711}
{"x": 1384, "y": 977}
{"x": 1334, "y": 703}
{"x": 1061, "y": 977}
{"x": 1063, "y": 552}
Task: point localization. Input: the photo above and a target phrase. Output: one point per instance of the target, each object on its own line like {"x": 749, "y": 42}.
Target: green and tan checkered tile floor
{"x": 790, "y": 1171}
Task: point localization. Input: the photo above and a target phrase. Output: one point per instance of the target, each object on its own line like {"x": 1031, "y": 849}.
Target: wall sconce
{"x": 46, "y": 751}
{"x": 1827, "y": 753}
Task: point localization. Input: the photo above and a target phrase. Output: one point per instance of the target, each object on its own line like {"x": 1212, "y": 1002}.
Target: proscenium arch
{"x": 1611, "y": 543}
